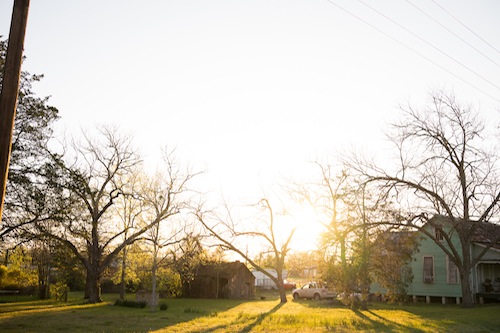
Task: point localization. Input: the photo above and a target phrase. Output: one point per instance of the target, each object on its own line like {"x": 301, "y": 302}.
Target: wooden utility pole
{"x": 10, "y": 88}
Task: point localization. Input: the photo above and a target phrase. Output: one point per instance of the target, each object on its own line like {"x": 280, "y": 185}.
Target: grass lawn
{"x": 18, "y": 314}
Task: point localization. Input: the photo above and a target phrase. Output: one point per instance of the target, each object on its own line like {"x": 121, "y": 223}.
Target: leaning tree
{"x": 230, "y": 232}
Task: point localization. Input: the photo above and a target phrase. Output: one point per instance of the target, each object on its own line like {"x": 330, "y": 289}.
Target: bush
{"x": 60, "y": 291}
{"x": 130, "y": 304}
{"x": 163, "y": 306}
{"x": 108, "y": 286}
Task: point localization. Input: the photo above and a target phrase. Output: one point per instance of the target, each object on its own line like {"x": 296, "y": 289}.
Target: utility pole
{"x": 10, "y": 88}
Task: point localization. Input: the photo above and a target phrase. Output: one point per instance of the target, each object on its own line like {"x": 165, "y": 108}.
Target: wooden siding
{"x": 439, "y": 287}
{"x": 223, "y": 280}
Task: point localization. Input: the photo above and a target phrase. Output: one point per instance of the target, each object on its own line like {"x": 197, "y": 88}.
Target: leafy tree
{"x": 389, "y": 265}
{"x": 28, "y": 197}
{"x": 18, "y": 273}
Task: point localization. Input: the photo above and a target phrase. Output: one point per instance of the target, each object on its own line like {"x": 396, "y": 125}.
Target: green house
{"x": 436, "y": 277}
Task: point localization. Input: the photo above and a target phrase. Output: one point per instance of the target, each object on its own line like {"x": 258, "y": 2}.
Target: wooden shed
{"x": 223, "y": 280}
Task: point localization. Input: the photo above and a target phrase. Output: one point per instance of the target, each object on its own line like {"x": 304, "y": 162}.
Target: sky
{"x": 253, "y": 91}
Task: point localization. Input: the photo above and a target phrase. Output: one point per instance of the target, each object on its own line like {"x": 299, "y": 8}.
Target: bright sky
{"x": 253, "y": 90}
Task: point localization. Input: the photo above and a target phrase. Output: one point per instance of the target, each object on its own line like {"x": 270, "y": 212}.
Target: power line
{"x": 465, "y": 26}
{"x": 431, "y": 45}
{"x": 412, "y": 49}
{"x": 453, "y": 33}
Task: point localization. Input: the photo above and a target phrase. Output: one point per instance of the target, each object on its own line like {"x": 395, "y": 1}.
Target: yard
{"x": 18, "y": 314}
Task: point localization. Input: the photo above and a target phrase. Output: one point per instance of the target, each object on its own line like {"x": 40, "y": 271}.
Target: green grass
{"x": 19, "y": 314}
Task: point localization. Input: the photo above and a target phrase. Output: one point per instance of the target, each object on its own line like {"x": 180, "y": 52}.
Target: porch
{"x": 488, "y": 277}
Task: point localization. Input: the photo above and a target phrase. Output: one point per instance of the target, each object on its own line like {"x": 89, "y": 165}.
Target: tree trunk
{"x": 468, "y": 300}
{"x": 87, "y": 286}
{"x": 154, "y": 301}
{"x": 465, "y": 268}
{"x": 365, "y": 279}
{"x": 279, "y": 281}
{"x": 122, "y": 280}
{"x": 43, "y": 281}
{"x": 279, "y": 284}
{"x": 93, "y": 287}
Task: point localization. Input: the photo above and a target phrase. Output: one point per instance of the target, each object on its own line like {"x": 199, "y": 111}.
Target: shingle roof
{"x": 222, "y": 269}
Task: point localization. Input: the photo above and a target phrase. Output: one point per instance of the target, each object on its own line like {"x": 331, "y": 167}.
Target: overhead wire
{"x": 429, "y": 44}
{"x": 413, "y": 50}
{"x": 453, "y": 33}
{"x": 466, "y": 27}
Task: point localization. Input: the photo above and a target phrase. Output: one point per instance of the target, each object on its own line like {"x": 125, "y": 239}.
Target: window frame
{"x": 438, "y": 234}
{"x": 424, "y": 270}
{"x": 449, "y": 266}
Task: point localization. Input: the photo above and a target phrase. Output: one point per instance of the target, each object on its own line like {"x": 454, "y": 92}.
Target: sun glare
{"x": 308, "y": 228}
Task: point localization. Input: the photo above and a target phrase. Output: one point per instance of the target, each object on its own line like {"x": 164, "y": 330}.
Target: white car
{"x": 312, "y": 291}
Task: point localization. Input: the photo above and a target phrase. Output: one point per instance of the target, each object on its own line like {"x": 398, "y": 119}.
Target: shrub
{"x": 163, "y": 306}
{"x": 130, "y": 304}
{"x": 60, "y": 291}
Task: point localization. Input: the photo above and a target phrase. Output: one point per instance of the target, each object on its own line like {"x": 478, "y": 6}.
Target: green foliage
{"x": 186, "y": 256}
{"x": 138, "y": 263}
{"x": 28, "y": 198}
{"x": 163, "y": 306}
{"x": 390, "y": 259}
{"x": 60, "y": 291}
{"x": 130, "y": 304}
{"x": 19, "y": 274}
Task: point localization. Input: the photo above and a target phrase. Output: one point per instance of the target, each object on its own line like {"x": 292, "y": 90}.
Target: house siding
{"x": 223, "y": 280}
{"x": 439, "y": 287}
{"x": 488, "y": 267}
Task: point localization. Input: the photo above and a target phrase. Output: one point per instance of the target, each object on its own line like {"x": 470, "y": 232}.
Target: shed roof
{"x": 222, "y": 269}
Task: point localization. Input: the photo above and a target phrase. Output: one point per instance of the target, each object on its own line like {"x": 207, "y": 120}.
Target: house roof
{"x": 483, "y": 232}
{"x": 222, "y": 269}
{"x": 487, "y": 233}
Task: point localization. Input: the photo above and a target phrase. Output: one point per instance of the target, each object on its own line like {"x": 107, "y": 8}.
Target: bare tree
{"x": 329, "y": 196}
{"x": 185, "y": 256}
{"x": 164, "y": 196}
{"x": 228, "y": 232}
{"x": 447, "y": 166}
{"x": 129, "y": 210}
{"x": 353, "y": 219}
{"x": 93, "y": 183}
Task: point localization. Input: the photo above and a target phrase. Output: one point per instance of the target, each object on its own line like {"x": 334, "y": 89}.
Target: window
{"x": 451, "y": 271}
{"x": 428, "y": 269}
{"x": 438, "y": 234}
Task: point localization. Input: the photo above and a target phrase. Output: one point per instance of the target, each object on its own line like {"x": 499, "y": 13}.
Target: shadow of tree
{"x": 388, "y": 325}
{"x": 260, "y": 318}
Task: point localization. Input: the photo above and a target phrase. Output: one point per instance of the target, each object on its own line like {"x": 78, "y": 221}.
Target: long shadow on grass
{"x": 247, "y": 328}
{"x": 385, "y": 325}
{"x": 260, "y": 318}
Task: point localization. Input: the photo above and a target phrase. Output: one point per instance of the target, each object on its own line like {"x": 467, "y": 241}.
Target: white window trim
{"x": 433, "y": 278}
